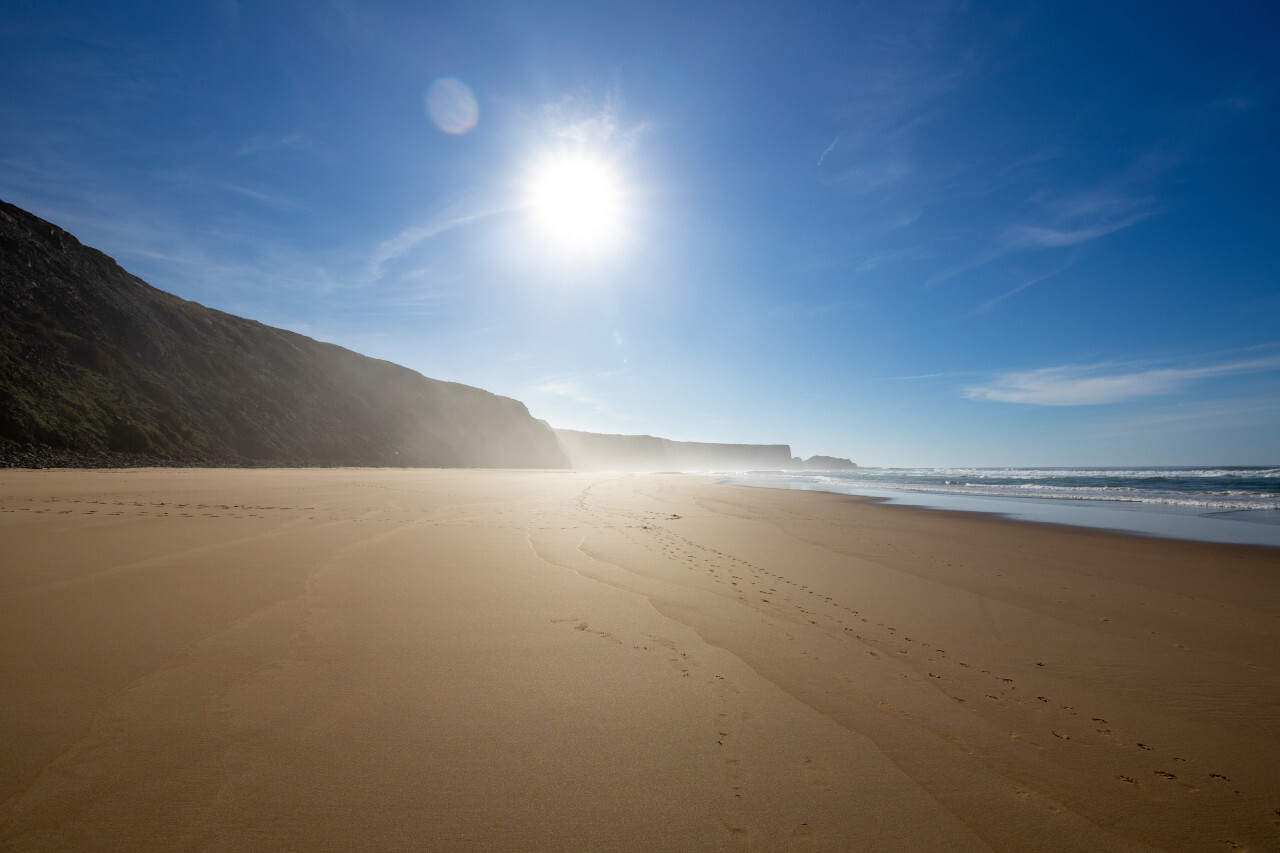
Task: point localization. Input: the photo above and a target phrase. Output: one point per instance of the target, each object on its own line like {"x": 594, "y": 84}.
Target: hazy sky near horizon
{"x": 910, "y": 233}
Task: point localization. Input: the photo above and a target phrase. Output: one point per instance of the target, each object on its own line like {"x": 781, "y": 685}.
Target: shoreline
{"x": 1133, "y": 518}
{"x": 507, "y": 660}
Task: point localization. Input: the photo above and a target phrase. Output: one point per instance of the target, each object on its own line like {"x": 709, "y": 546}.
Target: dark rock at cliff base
{"x": 97, "y": 367}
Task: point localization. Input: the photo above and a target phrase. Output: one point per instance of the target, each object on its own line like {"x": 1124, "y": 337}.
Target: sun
{"x": 577, "y": 203}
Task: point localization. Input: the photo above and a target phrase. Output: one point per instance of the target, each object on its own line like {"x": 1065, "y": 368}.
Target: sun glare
{"x": 576, "y": 202}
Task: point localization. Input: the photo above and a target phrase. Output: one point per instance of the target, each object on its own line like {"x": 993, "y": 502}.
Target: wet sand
{"x": 496, "y": 660}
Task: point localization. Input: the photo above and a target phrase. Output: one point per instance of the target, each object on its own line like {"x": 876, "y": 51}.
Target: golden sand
{"x": 496, "y": 660}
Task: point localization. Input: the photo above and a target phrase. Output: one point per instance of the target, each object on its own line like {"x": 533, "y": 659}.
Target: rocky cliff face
{"x": 94, "y": 360}
{"x": 598, "y": 452}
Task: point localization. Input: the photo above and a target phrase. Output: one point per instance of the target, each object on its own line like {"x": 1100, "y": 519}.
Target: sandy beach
{"x": 372, "y": 659}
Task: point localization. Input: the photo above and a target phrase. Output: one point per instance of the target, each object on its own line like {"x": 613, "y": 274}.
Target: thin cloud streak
{"x": 869, "y": 177}
{"x": 298, "y": 141}
{"x": 1024, "y": 238}
{"x": 574, "y": 388}
{"x": 1112, "y": 202}
{"x": 455, "y": 216}
{"x": 568, "y": 120}
{"x": 944, "y": 375}
{"x": 1035, "y": 237}
{"x": 994, "y": 302}
{"x": 272, "y": 200}
{"x": 1093, "y": 385}
{"x": 1073, "y": 217}
{"x": 1216, "y": 415}
{"x": 828, "y": 150}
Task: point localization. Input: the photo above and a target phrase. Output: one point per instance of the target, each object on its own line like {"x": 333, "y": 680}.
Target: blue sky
{"x": 934, "y": 233}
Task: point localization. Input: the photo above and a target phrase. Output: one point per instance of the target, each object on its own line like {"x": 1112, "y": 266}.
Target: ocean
{"x": 1238, "y": 504}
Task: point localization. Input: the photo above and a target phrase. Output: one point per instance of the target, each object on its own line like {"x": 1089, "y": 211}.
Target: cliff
{"x": 826, "y": 463}
{"x": 96, "y": 361}
{"x": 599, "y": 452}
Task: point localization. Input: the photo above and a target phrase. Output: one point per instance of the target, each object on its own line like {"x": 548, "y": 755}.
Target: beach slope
{"x": 373, "y": 659}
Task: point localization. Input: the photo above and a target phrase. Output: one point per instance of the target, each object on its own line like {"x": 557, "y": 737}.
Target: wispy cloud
{"x": 459, "y": 213}
{"x": 419, "y": 292}
{"x": 591, "y": 121}
{"x": 575, "y": 389}
{"x": 950, "y": 374}
{"x": 868, "y": 177}
{"x": 1029, "y": 163}
{"x": 298, "y": 141}
{"x": 1059, "y": 216}
{"x": 992, "y": 303}
{"x": 1029, "y": 238}
{"x": 895, "y": 86}
{"x": 1039, "y": 237}
{"x": 861, "y": 259}
{"x": 1113, "y": 200}
{"x": 342, "y": 23}
{"x": 1092, "y": 385}
{"x": 269, "y": 199}
{"x": 828, "y": 150}
{"x": 1216, "y": 415}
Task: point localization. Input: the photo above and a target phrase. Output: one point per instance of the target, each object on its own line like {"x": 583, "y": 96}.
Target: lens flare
{"x": 452, "y": 106}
